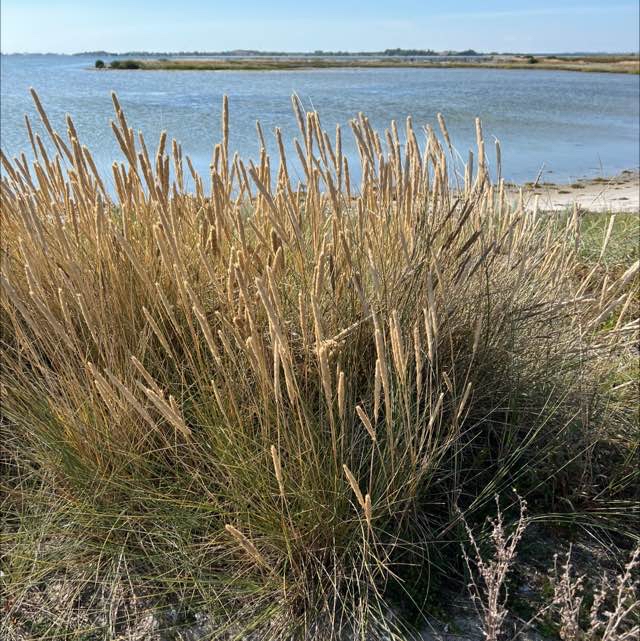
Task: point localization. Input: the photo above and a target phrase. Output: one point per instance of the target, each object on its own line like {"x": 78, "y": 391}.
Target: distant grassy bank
{"x": 282, "y": 407}
{"x": 608, "y": 64}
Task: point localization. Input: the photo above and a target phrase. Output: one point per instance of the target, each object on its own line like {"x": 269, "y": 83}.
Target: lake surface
{"x": 567, "y": 124}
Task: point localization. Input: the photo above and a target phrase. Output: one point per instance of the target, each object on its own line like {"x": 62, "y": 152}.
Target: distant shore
{"x": 604, "y": 64}
{"x": 616, "y": 194}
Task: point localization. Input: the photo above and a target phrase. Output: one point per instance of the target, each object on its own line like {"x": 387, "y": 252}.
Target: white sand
{"x": 616, "y": 194}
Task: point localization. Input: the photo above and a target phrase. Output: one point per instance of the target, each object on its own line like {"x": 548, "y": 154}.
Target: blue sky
{"x": 67, "y": 26}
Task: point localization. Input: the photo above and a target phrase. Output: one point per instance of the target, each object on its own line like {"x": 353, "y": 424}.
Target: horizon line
{"x": 315, "y": 52}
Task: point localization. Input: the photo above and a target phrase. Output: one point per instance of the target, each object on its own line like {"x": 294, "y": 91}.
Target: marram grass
{"x": 270, "y": 401}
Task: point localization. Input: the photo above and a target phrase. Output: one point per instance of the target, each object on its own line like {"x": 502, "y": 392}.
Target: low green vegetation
{"x": 623, "y": 232}
{"x": 282, "y": 408}
{"x": 126, "y": 64}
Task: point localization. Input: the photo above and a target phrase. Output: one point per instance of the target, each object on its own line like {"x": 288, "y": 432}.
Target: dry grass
{"x": 270, "y": 400}
{"x": 489, "y": 593}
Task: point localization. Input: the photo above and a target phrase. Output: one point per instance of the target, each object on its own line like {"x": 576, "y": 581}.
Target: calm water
{"x": 570, "y": 124}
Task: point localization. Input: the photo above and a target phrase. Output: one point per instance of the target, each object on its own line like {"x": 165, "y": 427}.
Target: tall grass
{"x": 271, "y": 400}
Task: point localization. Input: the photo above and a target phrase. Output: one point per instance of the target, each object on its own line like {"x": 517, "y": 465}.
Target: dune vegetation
{"x": 602, "y": 64}
{"x": 287, "y": 404}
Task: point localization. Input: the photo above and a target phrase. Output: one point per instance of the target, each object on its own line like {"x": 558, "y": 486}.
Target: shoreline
{"x": 616, "y": 194}
{"x": 621, "y": 64}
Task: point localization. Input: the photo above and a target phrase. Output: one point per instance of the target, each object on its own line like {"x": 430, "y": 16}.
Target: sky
{"x": 540, "y": 26}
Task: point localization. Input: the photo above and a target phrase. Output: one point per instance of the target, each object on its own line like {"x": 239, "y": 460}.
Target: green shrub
{"x": 125, "y": 64}
{"x": 100, "y": 64}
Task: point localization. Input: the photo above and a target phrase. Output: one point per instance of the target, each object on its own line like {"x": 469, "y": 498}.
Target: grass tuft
{"x": 271, "y": 401}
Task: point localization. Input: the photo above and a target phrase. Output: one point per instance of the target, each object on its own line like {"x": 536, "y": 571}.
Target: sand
{"x": 619, "y": 193}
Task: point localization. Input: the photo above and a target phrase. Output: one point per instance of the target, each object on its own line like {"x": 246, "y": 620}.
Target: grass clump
{"x": 271, "y": 401}
{"x": 125, "y": 64}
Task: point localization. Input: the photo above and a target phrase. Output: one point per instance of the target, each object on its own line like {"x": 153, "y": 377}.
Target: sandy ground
{"x": 615, "y": 194}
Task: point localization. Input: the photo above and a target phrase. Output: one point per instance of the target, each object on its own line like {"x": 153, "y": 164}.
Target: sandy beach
{"x": 619, "y": 193}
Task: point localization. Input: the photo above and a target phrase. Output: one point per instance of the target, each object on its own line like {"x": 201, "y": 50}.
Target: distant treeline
{"x": 317, "y": 52}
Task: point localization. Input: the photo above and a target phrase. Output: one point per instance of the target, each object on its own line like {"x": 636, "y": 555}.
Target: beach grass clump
{"x": 271, "y": 401}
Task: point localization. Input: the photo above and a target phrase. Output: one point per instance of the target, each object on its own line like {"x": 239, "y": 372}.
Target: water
{"x": 567, "y": 124}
